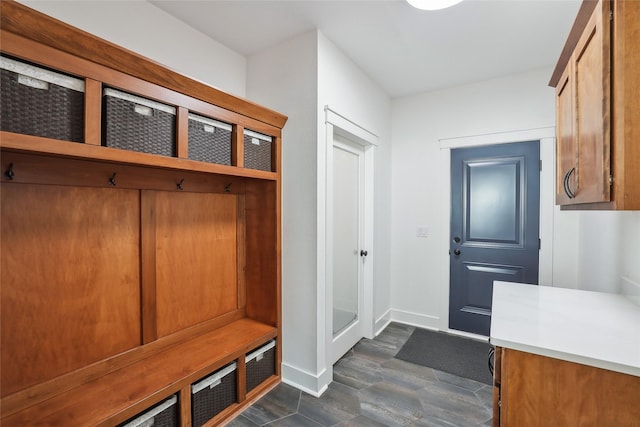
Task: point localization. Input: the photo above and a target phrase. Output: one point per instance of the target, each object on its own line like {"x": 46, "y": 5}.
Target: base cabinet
{"x": 534, "y": 390}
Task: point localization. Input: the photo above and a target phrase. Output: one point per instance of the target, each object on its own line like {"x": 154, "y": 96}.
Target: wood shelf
{"x": 35, "y": 144}
{"x": 147, "y": 381}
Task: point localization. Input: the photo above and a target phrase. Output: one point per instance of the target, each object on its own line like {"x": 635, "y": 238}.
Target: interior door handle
{"x": 363, "y": 253}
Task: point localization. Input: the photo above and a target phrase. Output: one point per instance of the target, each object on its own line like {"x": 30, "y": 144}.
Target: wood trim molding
{"x": 584, "y": 13}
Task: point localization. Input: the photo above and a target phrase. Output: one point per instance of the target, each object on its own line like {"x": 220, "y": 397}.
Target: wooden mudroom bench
{"x": 140, "y": 232}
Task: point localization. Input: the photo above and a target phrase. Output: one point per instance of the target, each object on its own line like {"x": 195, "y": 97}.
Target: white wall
{"x": 143, "y": 28}
{"x": 608, "y": 250}
{"x": 284, "y": 78}
{"x": 299, "y": 78}
{"x": 591, "y": 250}
{"x": 347, "y": 90}
{"x": 514, "y": 103}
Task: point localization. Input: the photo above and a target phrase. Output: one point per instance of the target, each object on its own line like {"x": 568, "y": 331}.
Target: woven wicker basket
{"x": 164, "y": 414}
{"x": 257, "y": 151}
{"x": 39, "y": 102}
{"x": 209, "y": 140}
{"x": 138, "y": 124}
{"x": 212, "y": 394}
{"x": 260, "y": 365}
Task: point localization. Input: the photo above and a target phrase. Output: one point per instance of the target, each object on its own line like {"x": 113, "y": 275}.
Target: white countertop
{"x": 591, "y": 328}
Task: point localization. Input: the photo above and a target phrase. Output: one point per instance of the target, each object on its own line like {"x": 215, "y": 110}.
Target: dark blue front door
{"x": 495, "y": 217}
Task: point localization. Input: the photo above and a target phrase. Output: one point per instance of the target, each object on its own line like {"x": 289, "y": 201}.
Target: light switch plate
{"x": 422, "y": 232}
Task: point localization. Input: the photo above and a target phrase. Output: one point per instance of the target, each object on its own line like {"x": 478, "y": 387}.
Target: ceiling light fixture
{"x": 432, "y": 4}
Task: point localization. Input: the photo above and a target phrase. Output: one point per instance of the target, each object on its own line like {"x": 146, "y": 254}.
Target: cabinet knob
{"x": 456, "y": 252}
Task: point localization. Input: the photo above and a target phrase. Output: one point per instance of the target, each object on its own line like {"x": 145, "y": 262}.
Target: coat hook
{"x": 9, "y": 172}
{"x": 227, "y": 188}
{"x": 112, "y": 180}
{"x": 179, "y": 185}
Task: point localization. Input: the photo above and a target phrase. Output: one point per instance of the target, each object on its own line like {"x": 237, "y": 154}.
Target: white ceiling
{"x": 402, "y": 49}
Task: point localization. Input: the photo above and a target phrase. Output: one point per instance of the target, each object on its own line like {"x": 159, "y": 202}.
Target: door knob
{"x": 363, "y": 253}
{"x": 456, "y": 252}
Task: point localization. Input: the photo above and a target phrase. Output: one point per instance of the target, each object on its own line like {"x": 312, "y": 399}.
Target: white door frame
{"x": 336, "y": 124}
{"x": 546, "y": 136}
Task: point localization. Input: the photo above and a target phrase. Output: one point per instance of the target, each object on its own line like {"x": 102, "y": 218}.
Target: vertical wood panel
{"x": 241, "y": 257}
{"x": 70, "y": 276}
{"x": 241, "y": 379}
{"x": 237, "y": 146}
{"x": 92, "y": 112}
{"x": 626, "y": 87}
{"x": 497, "y": 379}
{"x": 182, "y": 133}
{"x": 184, "y": 400}
{"x": 592, "y": 110}
{"x": 566, "y": 156}
{"x": 261, "y": 252}
{"x": 148, "y": 270}
{"x": 196, "y": 266}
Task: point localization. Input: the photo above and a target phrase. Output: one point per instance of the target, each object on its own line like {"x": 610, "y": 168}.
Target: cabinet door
{"x": 542, "y": 391}
{"x": 566, "y": 144}
{"x": 587, "y": 87}
{"x": 592, "y": 77}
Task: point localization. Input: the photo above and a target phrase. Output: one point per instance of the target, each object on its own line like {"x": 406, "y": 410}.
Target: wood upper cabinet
{"x": 597, "y": 117}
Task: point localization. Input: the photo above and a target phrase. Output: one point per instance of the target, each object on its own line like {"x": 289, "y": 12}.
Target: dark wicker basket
{"x": 257, "y": 151}
{"x": 209, "y": 140}
{"x": 39, "y": 102}
{"x": 164, "y": 414}
{"x": 212, "y": 394}
{"x": 138, "y": 124}
{"x": 260, "y": 365}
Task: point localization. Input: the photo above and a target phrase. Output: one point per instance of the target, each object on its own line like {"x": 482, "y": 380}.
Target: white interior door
{"x": 348, "y": 251}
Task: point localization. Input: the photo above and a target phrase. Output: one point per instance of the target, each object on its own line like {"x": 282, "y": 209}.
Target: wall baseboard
{"x": 381, "y": 323}
{"x": 312, "y": 384}
{"x": 415, "y": 319}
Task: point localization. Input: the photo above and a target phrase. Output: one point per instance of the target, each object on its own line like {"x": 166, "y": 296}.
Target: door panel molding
{"x": 492, "y": 268}
{"x": 519, "y": 172}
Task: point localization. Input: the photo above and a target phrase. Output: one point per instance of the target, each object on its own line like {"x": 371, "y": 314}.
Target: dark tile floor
{"x": 371, "y": 388}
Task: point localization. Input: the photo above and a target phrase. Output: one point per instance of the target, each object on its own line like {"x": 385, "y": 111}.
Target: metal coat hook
{"x": 112, "y": 180}
{"x": 227, "y": 188}
{"x": 9, "y": 172}
{"x": 179, "y": 185}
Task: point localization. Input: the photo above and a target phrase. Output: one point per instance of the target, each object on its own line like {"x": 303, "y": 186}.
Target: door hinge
{"x": 539, "y": 244}
{"x": 611, "y": 15}
{"x": 540, "y": 165}
{"x": 610, "y": 180}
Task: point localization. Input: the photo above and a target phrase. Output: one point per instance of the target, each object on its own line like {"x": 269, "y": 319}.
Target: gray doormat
{"x": 456, "y": 355}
